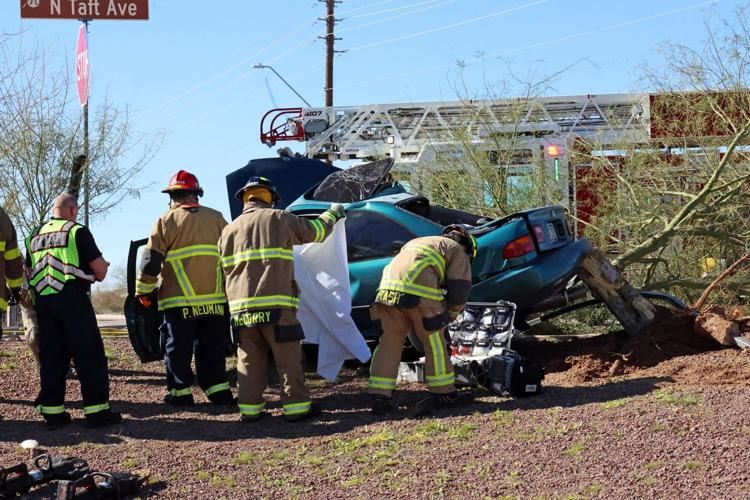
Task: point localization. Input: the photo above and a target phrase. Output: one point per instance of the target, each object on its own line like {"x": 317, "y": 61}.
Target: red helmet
{"x": 184, "y": 181}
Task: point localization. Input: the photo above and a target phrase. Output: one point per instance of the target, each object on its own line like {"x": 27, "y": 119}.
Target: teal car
{"x": 528, "y": 258}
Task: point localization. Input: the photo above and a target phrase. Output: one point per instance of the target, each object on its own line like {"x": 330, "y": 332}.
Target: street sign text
{"x": 85, "y": 9}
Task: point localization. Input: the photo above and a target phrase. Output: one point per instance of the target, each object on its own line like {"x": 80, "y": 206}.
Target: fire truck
{"x": 543, "y": 132}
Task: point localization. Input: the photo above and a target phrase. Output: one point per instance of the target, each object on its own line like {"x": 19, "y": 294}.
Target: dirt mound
{"x": 581, "y": 359}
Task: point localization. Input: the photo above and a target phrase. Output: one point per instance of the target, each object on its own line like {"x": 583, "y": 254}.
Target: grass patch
{"x": 503, "y": 417}
{"x": 226, "y": 482}
{"x": 615, "y": 403}
{"x": 513, "y": 478}
{"x": 202, "y": 475}
{"x": 346, "y": 446}
{"x": 7, "y": 366}
{"x": 315, "y": 461}
{"x": 426, "y": 431}
{"x": 675, "y": 398}
{"x": 110, "y": 354}
{"x": 592, "y": 490}
{"x": 462, "y": 432}
{"x": 658, "y": 427}
{"x": 6, "y": 354}
{"x": 656, "y": 464}
{"x": 129, "y": 463}
{"x": 692, "y": 465}
{"x": 576, "y": 450}
{"x": 648, "y": 480}
{"x": 352, "y": 481}
{"x": 442, "y": 477}
{"x": 245, "y": 458}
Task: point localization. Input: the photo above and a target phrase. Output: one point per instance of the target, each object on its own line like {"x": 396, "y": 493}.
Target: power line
{"x": 448, "y": 26}
{"x": 215, "y": 77}
{"x": 394, "y": 9}
{"x": 371, "y": 23}
{"x": 535, "y": 45}
{"x": 357, "y": 9}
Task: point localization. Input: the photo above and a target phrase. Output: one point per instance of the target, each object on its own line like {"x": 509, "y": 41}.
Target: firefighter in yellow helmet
{"x": 411, "y": 297}
{"x": 11, "y": 266}
{"x": 182, "y": 249}
{"x": 256, "y": 254}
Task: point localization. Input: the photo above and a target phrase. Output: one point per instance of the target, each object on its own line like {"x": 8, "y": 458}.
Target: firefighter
{"x": 411, "y": 297}
{"x": 256, "y": 254}
{"x": 182, "y": 249}
{"x": 11, "y": 266}
{"x": 63, "y": 260}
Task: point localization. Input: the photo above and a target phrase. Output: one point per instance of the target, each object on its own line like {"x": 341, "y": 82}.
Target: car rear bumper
{"x": 536, "y": 280}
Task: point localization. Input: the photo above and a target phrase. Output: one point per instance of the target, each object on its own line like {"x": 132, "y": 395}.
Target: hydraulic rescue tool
{"x": 100, "y": 486}
{"x": 18, "y": 479}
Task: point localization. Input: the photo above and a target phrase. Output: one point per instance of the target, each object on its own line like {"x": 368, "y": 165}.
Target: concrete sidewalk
{"x": 111, "y": 321}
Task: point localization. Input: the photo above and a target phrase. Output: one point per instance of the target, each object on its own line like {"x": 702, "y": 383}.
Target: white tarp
{"x": 322, "y": 273}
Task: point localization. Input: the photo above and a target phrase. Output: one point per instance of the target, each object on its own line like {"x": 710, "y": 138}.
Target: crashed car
{"x": 528, "y": 258}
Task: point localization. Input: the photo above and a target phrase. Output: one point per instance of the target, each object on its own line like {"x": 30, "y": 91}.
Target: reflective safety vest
{"x": 177, "y": 258}
{"x": 257, "y": 257}
{"x": 425, "y": 257}
{"x": 433, "y": 268}
{"x": 182, "y": 250}
{"x": 54, "y": 257}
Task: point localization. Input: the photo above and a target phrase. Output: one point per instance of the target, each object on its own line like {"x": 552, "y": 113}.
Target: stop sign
{"x": 82, "y": 66}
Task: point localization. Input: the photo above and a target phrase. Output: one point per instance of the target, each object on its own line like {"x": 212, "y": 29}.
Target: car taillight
{"x": 518, "y": 247}
{"x": 540, "y": 235}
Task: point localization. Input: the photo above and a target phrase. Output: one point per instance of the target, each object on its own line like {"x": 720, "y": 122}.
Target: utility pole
{"x": 330, "y": 39}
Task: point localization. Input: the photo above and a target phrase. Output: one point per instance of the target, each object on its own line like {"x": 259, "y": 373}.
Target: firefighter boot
{"x": 382, "y": 405}
{"x": 56, "y": 421}
{"x": 179, "y": 400}
{"x": 103, "y": 419}
{"x": 223, "y": 398}
{"x": 314, "y": 411}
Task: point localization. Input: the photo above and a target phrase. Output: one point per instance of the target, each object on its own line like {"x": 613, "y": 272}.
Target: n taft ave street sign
{"x": 85, "y": 9}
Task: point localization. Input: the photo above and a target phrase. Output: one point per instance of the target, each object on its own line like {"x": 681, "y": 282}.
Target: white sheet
{"x": 322, "y": 273}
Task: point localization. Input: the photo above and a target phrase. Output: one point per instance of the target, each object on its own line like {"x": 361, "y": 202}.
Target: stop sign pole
{"x": 82, "y": 83}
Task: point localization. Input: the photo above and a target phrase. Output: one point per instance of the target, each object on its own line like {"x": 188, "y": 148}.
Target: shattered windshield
{"x": 354, "y": 184}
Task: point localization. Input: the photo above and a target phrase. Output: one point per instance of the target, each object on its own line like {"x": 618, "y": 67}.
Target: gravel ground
{"x": 670, "y": 428}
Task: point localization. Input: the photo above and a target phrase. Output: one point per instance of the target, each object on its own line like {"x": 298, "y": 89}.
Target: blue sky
{"x": 188, "y": 69}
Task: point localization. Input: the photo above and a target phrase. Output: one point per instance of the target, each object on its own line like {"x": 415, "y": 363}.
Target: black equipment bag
{"x": 509, "y": 373}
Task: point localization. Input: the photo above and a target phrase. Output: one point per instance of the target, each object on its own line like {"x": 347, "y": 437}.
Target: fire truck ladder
{"x": 405, "y": 131}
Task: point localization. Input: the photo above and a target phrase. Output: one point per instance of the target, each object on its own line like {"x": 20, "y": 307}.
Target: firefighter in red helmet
{"x": 182, "y": 249}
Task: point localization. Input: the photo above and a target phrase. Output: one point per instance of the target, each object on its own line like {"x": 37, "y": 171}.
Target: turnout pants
{"x": 396, "y": 324}
{"x": 68, "y": 329}
{"x": 204, "y": 335}
{"x": 252, "y": 367}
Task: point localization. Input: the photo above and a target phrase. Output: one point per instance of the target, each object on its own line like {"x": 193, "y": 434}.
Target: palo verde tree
{"x": 488, "y": 160}
{"x": 41, "y": 135}
{"x": 675, "y": 209}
